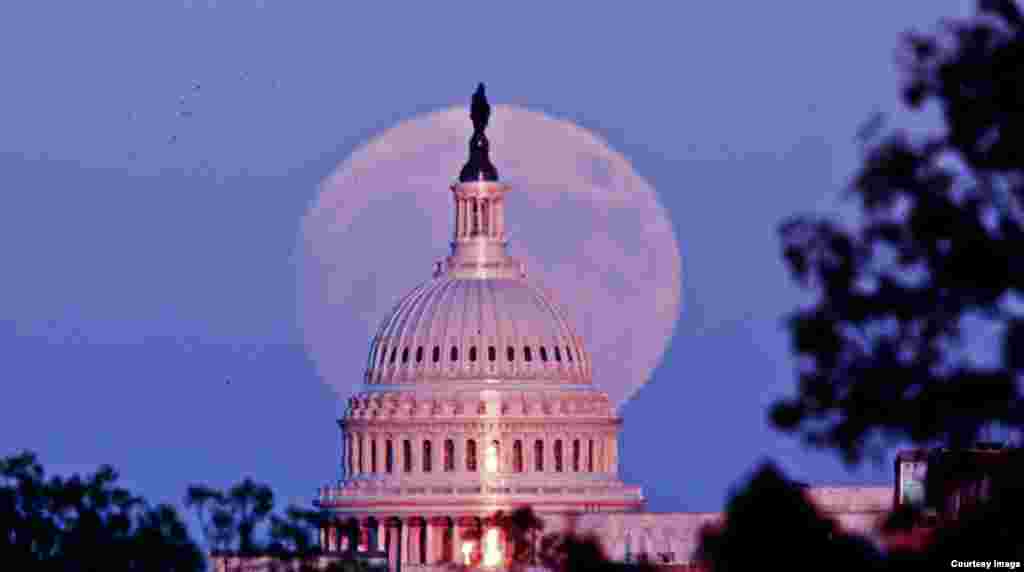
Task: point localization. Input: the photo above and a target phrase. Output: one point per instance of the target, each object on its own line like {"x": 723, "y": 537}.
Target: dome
{"x": 471, "y": 329}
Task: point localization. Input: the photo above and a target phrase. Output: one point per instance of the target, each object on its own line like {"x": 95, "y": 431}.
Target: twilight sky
{"x": 156, "y": 160}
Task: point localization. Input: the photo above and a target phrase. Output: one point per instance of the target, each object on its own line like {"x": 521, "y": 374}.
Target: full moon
{"x": 588, "y": 227}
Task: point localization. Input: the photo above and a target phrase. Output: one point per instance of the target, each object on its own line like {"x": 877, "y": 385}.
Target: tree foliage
{"x": 882, "y": 351}
{"x": 86, "y": 523}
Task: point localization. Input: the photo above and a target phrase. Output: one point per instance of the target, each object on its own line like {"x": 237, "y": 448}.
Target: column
{"x": 492, "y": 210}
{"x": 382, "y": 534}
{"x": 394, "y": 527}
{"x": 549, "y": 454}
{"x": 463, "y": 220}
{"x": 460, "y": 452}
{"x": 398, "y": 447}
{"x": 435, "y": 538}
{"x": 615, "y": 454}
{"x": 456, "y": 541}
{"x": 415, "y": 526}
{"x": 458, "y": 215}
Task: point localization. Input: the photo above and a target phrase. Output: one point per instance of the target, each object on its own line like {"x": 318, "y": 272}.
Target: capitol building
{"x": 478, "y": 397}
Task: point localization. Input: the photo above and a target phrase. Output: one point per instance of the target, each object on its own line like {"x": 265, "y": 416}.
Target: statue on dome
{"x": 480, "y": 110}
{"x": 479, "y": 167}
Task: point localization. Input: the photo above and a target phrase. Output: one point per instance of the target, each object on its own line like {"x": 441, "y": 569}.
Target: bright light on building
{"x": 492, "y": 549}
{"x": 491, "y": 459}
{"x": 467, "y": 553}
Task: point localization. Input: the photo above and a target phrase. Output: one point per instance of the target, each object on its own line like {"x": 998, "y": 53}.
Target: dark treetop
{"x": 479, "y": 167}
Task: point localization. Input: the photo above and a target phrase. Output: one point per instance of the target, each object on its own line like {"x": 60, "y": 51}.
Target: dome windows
{"x": 394, "y": 352}
{"x": 538, "y": 456}
{"x": 419, "y": 354}
{"x": 492, "y": 353}
{"x": 449, "y": 456}
{"x": 454, "y": 354}
{"x": 472, "y": 353}
{"x": 558, "y": 354}
{"x": 383, "y": 355}
{"x": 568, "y": 353}
{"x": 527, "y": 354}
{"x": 511, "y": 354}
{"x": 437, "y": 354}
{"x": 543, "y": 354}
{"x": 427, "y": 456}
{"x": 405, "y": 355}
{"x": 406, "y": 456}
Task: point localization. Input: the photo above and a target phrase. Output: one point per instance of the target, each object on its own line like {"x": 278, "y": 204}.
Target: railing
{"x": 327, "y": 495}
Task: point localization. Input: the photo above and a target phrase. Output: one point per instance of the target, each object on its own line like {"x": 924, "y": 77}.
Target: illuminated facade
{"x": 477, "y": 397}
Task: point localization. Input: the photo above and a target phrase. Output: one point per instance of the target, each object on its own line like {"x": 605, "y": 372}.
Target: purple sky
{"x": 156, "y": 159}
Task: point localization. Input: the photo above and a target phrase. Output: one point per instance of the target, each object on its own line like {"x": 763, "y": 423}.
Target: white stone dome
{"x": 477, "y": 329}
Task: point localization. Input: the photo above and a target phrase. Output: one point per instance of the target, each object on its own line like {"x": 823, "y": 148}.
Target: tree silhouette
{"x": 771, "y": 522}
{"x": 86, "y": 523}
{"x": 882, "y": 352}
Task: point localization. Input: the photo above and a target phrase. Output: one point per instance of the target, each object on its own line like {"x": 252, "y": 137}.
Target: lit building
{"x": 478, "y": 396}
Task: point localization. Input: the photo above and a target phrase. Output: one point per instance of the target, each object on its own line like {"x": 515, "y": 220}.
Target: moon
{"x": 585, "y": 223}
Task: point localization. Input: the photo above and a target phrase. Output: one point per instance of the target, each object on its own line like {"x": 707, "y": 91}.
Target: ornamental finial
{"x": 479, "y": 167}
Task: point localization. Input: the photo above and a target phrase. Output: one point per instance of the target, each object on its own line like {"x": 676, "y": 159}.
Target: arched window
{"x": 590, "y": 456}
{"x": 492, "y": 354}
{"x": 538, "y": 455}
{"x": 373, "y": 455}
{"x": 526, "y": 353}
{"x": 543, "y": 354}
{"x": 558, "y": 456}
{"x": 405, "y": 355}
{"x": 449, "y": 455}
{"x": 383, "y": 355}
{"x": 394, "y": 352}
{"x": 471, "y": 456}
{"x": 568, "y": 353}
{"x": 427, "y": 457}
{"x": 362, "y": 443}
{"x": 437, "y": 354}
{"x": 419, "y": 354}
{"x": 558, "y": 354}
{"x": 454, "y": 354}
{"x": 517, "y": 456}
{"x": 575, "y": 455}
{"x": 389, "y": 457}
{"x": 485, "y": 218}
{"x": 476, "y": 218}
{"x": 472, "y": 353}
{"x": 407, "y": 456}
{"x": 511, "y": 353}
